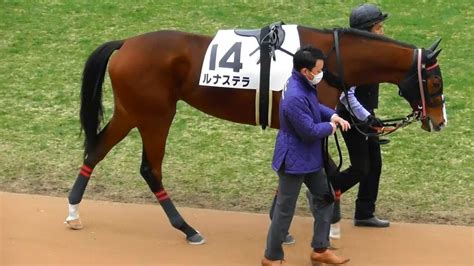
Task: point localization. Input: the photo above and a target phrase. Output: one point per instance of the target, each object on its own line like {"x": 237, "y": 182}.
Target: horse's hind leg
{"x": 154, "y": 139}
{"x": 113, "y": 133}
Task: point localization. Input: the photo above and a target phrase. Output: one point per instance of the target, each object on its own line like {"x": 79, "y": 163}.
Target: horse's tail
{"x": 91, "y": 92}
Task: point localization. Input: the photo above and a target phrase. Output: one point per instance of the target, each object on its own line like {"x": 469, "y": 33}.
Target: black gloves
{"x": 374, "y": 121}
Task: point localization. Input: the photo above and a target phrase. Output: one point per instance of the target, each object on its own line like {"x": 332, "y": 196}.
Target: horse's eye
{"x": 436, "y": 83}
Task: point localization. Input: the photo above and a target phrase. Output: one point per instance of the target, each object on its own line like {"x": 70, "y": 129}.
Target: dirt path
{"x": 32, "y": 232}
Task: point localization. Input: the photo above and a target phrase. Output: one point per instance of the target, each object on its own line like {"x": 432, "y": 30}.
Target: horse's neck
{"x": 365, "y": 60}
{"x": 369, "y": 61}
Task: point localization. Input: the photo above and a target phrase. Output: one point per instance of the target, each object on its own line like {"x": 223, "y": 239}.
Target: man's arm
{"x": 298, "y": 114}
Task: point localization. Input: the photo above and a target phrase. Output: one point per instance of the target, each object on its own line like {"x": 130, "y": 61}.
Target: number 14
{"x": 235, "y": 65}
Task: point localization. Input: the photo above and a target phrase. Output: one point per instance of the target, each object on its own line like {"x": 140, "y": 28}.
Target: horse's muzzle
{"x": 428, "y": 125}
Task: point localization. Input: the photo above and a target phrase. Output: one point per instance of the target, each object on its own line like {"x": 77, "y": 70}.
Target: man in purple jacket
{"x": 298, "y": 157}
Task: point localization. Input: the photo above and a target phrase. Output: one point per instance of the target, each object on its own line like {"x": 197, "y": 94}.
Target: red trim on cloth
{"x": 161, "y": 195}
{"x": 85, "y": 171}
{"x": 337, "y": 194}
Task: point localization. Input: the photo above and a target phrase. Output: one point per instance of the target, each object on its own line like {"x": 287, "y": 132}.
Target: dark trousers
{"x": 365, "y": 169}
{"x": 289, "y": 187}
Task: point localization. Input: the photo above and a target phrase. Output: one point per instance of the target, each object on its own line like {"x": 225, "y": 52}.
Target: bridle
{"x": 424, "y": 67}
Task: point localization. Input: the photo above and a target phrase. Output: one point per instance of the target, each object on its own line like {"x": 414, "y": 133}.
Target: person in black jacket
{"x": 364, "y": 152}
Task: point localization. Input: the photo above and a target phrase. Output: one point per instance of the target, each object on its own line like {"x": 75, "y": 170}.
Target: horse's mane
{"x": 363, "y": 34}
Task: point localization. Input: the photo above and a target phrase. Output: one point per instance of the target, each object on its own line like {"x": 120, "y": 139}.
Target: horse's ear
{"x": 435, "y": 45}
{"x": 433, "y": 55}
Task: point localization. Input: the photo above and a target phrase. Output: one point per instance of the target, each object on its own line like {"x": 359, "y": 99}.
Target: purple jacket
{"x": 299, "y": 140}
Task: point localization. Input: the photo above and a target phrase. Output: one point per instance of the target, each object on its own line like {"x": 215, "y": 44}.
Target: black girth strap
{"x": 265, "y": 60}
{"x": 270, "y": 39}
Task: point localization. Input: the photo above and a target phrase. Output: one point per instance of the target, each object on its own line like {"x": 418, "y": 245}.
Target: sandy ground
{"x": 32, "y": 232}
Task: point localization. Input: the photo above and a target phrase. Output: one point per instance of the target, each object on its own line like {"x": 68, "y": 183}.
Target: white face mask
{"x": 316, "y": 78}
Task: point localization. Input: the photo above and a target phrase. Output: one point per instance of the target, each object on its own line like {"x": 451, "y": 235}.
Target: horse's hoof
{"x": 74, "y": 224}
{"x": 196, "y": 239}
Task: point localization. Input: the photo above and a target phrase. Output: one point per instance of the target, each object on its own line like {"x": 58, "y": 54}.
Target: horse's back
{"x": 153, "y": 69}
{"x": 156, "y": 47}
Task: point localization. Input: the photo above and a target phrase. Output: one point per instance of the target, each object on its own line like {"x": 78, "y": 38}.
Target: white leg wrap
{"x": 335, "y": 231}
{"x": 73, "y": 212}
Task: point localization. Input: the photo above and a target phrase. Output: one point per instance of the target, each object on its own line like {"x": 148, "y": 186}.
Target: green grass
{"x": 427, "y": 177}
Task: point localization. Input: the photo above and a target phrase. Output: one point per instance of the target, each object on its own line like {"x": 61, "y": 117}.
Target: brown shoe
{"x": 327, "y": 257}
{"x": 267, "y": 262}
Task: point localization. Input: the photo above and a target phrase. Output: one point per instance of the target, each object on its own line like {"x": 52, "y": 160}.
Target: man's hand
{"x": 334, "y": 127}
{"x": 343, "y": 124}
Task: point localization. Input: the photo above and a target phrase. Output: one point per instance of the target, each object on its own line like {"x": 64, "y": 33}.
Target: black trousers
{"x": 365, "y": 169}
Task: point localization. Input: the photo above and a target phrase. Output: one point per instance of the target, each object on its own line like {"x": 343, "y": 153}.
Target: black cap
{"x": 365, "y": 16}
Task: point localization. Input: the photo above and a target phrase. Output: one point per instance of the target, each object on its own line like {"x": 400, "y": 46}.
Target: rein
{"x": 395, "y": 124}
{"x": 392, "y": 125}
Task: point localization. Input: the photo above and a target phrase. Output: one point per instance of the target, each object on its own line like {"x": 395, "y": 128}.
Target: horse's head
{"x": 423, "y": 89}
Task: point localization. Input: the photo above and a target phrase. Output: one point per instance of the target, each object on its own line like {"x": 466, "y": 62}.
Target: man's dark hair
{"x": 306, "y": 57}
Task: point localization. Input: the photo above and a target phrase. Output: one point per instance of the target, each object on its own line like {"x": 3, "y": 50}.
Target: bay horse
{"x": 150, "y": 73}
